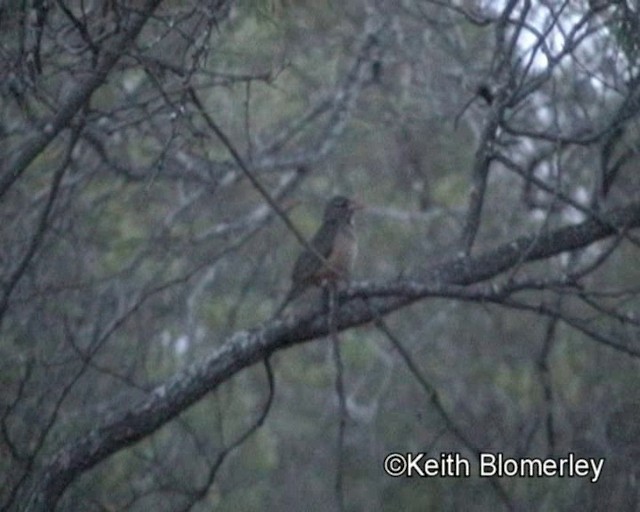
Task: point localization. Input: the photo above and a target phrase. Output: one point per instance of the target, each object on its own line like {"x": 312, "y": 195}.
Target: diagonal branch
{"x": 39, "y": 235}
{"x": 122, "y": 428}
{"x": 78, "y": 96}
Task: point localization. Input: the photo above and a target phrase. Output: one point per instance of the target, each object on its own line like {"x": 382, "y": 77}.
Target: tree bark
{"x": 124, "y": 428}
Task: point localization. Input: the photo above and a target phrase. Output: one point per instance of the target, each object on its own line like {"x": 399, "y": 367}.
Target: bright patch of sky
{"x": 552, "y": 27}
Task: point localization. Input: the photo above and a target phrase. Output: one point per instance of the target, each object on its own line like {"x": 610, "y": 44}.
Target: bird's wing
{"x": 323, "y": 240}
{"x": 308, "y": 263}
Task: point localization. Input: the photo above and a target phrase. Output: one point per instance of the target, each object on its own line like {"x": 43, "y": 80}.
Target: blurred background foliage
{"x": 157, "y": 248}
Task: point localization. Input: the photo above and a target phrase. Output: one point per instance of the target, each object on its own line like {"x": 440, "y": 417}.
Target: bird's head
{"x": 341, "y": 208}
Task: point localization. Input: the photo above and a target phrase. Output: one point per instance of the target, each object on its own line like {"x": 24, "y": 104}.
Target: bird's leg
{"x": 329, "y": 293}
{"x": 326, "y": 295}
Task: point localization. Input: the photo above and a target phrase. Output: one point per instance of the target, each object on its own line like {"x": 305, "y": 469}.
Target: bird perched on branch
{"x": 335, "y": 247}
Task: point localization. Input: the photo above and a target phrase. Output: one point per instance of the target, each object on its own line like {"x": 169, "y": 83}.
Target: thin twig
{"x": 203, "y": 490}
{"x": 252, "y": 178}
{"x": 434, "y": 398}
{"x": 342, "y": 404}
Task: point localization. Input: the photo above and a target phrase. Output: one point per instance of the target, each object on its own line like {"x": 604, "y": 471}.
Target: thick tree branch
{"x": 245, "y": 348}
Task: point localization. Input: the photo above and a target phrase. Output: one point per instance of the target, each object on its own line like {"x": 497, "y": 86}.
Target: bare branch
{"x": 245, "y": 348}
{"x": 79, "y": 95}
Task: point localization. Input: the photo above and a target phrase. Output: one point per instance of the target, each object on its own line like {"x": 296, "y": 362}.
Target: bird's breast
{"x": 344, "y": 252}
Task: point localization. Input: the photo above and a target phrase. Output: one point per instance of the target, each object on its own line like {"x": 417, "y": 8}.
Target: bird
{"x": 335, "y": 241}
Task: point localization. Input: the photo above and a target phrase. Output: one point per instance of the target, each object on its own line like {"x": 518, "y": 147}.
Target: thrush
{"x": 335, "y": 241}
